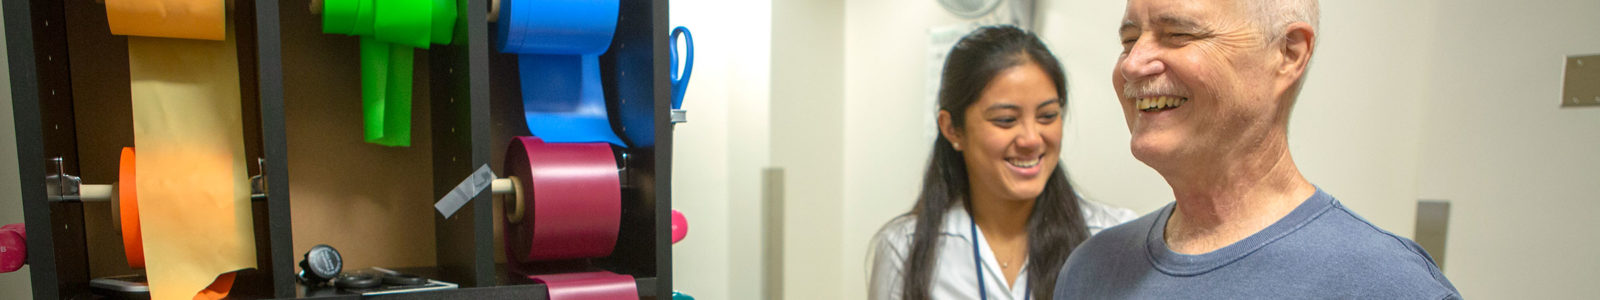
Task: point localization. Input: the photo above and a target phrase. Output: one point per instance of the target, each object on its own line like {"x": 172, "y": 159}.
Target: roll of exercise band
{"x": 559, "y": 43}
{"x": 389, "y": 32}
{"x": 574, "y": 201}
{"x": 184, "y": 19}
{"x": 600, "y": 285}
{"x": 194, "y": 217}
{"x": 194, "y": 195}
{"x": 127, "y": 211}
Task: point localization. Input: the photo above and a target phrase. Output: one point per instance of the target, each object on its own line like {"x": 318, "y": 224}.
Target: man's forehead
{"x": 1166, "y": 20}
{"x": 1181, "y": 13}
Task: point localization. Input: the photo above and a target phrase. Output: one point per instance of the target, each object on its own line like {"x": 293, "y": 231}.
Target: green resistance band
{"x": 390, "y": 31}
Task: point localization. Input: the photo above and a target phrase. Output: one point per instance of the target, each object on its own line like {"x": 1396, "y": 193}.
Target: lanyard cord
{"x": 977, "y": 260}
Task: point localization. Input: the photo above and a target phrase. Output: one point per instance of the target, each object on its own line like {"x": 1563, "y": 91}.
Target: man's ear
{"x": 948, "y": 129}
{"x": 1299, "y": 41}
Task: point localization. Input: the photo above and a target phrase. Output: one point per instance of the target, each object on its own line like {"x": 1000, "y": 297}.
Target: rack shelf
{"x": 298, "y": 92}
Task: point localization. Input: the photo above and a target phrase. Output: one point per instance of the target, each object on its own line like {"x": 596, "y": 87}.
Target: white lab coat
{"x": 954, "y": 276}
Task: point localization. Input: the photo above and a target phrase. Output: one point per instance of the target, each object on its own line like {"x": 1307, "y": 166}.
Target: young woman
{"x": 997, "y": 217}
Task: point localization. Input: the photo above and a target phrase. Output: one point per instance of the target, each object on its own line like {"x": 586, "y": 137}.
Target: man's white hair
{"x": 1272, "y": 16}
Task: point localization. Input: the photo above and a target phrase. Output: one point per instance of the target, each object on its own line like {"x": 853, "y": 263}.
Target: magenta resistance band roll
{"x": 574, "y": 203}
{"x": 600, "y": 285}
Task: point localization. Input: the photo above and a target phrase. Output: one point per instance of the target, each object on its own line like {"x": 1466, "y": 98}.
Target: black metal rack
{"x": 61, "y": 50}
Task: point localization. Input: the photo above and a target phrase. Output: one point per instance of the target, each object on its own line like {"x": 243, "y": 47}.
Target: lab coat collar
{"x": 957, "y": 222}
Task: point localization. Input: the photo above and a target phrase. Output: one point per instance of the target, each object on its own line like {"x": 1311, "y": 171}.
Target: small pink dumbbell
{"x": 680, "y": 226}
{"x": 13, "y": 247}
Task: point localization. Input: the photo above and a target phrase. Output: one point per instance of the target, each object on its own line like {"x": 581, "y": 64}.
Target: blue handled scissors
{"x": 680, "y": 82}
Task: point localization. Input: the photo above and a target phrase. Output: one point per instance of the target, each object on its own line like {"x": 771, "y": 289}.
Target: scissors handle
{"x": 680, "y": 81}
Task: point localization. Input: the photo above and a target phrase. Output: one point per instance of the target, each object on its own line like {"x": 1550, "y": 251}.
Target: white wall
{"x": 1522, "y": 174}
{"x": 718, "y": 155}
{"x": 15, "y": 285}
{"x": 886, "y": 149}
{"x": 808, "y": 110}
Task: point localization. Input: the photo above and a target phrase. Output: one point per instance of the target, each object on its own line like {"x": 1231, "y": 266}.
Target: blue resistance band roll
{"x": 559, "y": 43}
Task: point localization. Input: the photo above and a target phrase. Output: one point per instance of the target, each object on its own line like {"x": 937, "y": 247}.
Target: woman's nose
{"x": 1029, "y": 139}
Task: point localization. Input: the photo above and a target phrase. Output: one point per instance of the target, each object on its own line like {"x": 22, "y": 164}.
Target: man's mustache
{"x": 1146, "y": 88}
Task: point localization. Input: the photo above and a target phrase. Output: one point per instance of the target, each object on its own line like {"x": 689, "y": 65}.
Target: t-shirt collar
{"x": 1178, "y": 264}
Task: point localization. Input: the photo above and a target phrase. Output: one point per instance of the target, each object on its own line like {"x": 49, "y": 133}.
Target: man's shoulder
{"x": 1344, "y": 231}
{"x": 1114, "y": 245}
{"x": 1353, "y": 248}
{"x": 1112, "y": 259}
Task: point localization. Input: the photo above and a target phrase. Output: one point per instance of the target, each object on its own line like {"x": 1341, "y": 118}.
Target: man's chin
{"x": 1153, "y": 153}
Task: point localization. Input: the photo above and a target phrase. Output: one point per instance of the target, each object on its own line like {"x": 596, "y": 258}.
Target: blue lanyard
{"x": 977, "y": 260}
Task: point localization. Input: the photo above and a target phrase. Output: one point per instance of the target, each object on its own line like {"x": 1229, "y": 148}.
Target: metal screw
{"x": 1580, "y": 62}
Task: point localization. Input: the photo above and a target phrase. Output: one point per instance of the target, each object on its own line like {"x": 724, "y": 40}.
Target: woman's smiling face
{"x": 1011, "y": 138}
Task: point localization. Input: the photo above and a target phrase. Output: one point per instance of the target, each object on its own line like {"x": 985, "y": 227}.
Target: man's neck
{"x": 1217, "y": 209}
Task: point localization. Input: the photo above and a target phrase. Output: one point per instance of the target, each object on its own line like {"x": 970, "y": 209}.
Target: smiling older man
{"x": 1207, "y": 87}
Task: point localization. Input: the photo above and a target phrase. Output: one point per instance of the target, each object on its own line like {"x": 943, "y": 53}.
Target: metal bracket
{"x": 61, "y": 186}
{"x": 680, "y": 116}
{"x": 258, "y": 183}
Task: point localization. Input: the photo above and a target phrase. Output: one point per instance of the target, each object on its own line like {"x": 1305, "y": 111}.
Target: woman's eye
{"x": 1004, "y": 121}
{"x": 1049, "y": 117}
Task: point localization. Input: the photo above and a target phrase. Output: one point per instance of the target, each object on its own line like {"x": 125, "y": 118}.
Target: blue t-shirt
{"x": 1320, "y": 250}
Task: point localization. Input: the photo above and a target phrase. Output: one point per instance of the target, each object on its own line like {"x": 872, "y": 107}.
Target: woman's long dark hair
{"x": 1056, "y": 225}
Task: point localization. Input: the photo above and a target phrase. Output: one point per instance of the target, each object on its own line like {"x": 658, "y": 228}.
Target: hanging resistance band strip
{"x": 560, "y": 42}
{"x": 390, "y": 30}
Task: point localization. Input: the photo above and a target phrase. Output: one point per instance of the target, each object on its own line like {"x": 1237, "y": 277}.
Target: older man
{"x": 1207, "y": 87}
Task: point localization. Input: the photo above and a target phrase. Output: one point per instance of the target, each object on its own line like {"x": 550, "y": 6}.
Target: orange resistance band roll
{"x": 128, "y": 207}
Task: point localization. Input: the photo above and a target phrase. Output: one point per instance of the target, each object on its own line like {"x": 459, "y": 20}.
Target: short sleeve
{"x": 1099, "y": 216}
{"x": 888, "y": 260}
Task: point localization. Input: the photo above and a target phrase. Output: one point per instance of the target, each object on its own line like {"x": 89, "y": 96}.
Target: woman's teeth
{"x": 1151, "y": 104}
{"x": 1024, "y": 163}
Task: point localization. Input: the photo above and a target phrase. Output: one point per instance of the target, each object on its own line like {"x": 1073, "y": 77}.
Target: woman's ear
{"x": 948, "y": 129}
